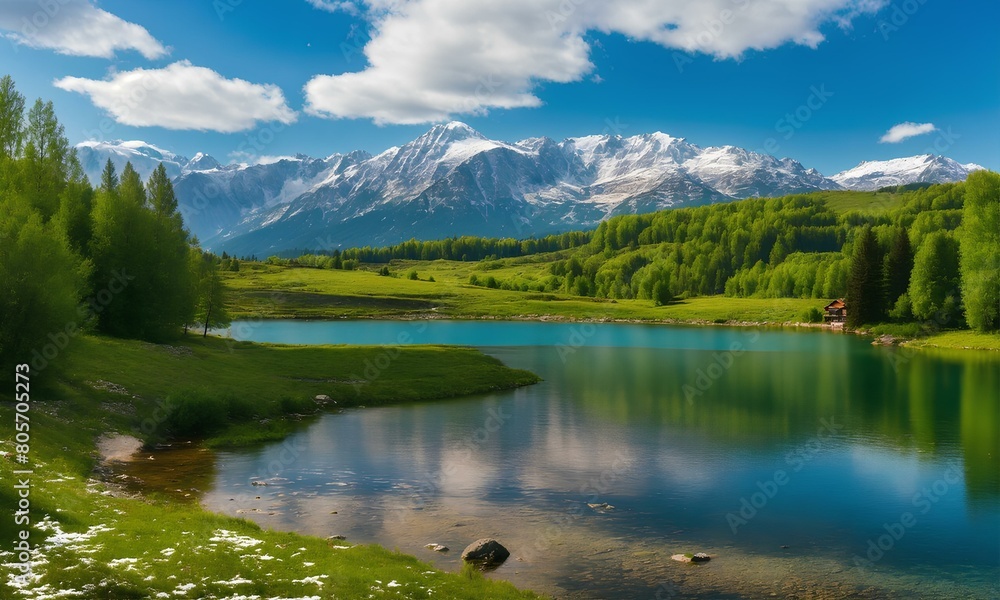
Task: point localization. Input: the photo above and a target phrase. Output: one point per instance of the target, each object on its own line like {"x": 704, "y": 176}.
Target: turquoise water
{"x": 809, "y": 464}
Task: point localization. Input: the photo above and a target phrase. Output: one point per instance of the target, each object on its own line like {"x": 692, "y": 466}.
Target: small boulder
{"x": 700, "y": 557}
{"x": 323, "y": 399}
{"x": 602, "y": 507}
{"x": 437, "y": 547}
{"x": 486, "y": 551}
{"x": 336, "y": 537}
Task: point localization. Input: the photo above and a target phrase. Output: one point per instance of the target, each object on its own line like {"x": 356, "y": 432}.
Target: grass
{"x": 959, "y": 340}
{"x": 273, "y": 292}
{"x": 253, "y": 382}
{"x": 91, "y": 538}
{"x": 918, "y": 335}
{"x": 866, "y": 202}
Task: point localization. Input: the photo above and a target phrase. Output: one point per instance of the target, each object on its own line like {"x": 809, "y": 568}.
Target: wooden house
{"x": 835, "y": 312}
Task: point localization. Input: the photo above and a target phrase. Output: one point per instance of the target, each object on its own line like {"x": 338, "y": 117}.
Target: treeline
{"x": 934, "y": 256}
{"x": 116, "y": 259}
{"x": 465, "y": 248}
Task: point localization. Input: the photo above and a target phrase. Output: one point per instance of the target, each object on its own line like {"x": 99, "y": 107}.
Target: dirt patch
{"x": 117, "y": 447}
{"x": 107, "y": 386}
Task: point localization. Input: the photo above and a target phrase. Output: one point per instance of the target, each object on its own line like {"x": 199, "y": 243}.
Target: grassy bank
{"x": 442, "y": 291}
{"x": 958, "y": 340}
{"x": 274, "y": 292}
{"x": 232, "y": 393}
{"x": 92, "y": 538}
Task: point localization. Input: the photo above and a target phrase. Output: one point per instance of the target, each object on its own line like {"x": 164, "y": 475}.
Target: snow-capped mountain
{"x": 213, "y": 200}
{"x": 144, "y": 158}
{"x": 926, "y": 168}
{"x": 202, "y": 162}
{"x": 454, "y": 181}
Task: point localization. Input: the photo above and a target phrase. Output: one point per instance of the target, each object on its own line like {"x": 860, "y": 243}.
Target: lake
{"x": 807, "y": 463}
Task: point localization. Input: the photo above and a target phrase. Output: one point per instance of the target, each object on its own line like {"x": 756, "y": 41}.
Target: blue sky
{"x": 241, "y": 80}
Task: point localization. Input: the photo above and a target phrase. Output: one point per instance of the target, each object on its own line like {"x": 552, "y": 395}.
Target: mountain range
{"x": 454, "y": 181}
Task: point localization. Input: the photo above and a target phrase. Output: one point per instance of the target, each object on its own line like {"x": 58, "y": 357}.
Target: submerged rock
{"x": 700, "y": 557}
{"x": 486, "y": 551}
{"x": 603, "y": 506}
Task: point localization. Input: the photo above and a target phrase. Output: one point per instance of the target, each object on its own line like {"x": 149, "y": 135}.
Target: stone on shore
{"x": 486, "y": 551}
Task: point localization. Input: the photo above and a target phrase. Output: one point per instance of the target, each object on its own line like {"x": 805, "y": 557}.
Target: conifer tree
{"x": 898, "y": 266}
{"x": 864, "y": 284}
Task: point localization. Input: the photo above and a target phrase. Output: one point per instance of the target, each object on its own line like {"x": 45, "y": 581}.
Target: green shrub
{"x": 296, "y": 405}
{"x": 195, "y": 415}
{"x": 903, "y": 309}
{"x": 812, "y": 315}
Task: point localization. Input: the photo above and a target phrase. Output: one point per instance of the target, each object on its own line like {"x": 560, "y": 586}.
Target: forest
{"x": 909, "y": 255}
{"x": 933, "y": 256}
{"x": 114, "y": 259}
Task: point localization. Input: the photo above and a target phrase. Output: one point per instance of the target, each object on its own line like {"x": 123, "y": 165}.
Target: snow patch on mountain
{"x": 925, "y": 168}
{"x": 453, "y": 180}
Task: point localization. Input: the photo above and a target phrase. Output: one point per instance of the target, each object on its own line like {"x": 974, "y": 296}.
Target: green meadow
{"x": 86, "y": 526}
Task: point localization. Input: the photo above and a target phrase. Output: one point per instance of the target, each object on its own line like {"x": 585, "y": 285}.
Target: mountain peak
{"x": 922, "y": 168}
{"x": 452, "y": 131}
{"x": 202, "y": 162}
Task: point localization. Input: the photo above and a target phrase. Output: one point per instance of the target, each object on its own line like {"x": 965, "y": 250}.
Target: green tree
{"x": 980, "y": 251}
{"x": 11, "y": 119}
{"x": 41, "y": 281}
{"x": 47, "y": 158}
{"x": 934, "y": 285}
{"x": 864, "y": 283}
{"x": 109, "y": 178}
{"x": 211, "y": 307}
{"x": 898, "y": 266}
{"x": 172, "y": 303}
{"x": 121, "y": 248}
{"x": 76, "y": 205}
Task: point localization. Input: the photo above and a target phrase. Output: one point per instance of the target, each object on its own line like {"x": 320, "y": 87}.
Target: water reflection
{"x": 826, "y": 438}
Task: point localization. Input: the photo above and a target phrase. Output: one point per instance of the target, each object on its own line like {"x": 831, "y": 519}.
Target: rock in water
{"x": 487, "y": 551}
{"x": 691, "y": 558}
{"x": 437, "y": 547}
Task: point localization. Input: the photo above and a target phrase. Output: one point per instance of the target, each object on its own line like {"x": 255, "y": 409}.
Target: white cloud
{"x": 75, "y": 27}
{"x": 905, "y": 131}
{"x": 431, "y": 59}
{"x": 183, "y": 96}
{"x": 335, "y": 5}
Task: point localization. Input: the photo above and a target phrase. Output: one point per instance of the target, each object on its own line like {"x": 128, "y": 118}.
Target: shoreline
{"x": 919, "y": 343}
